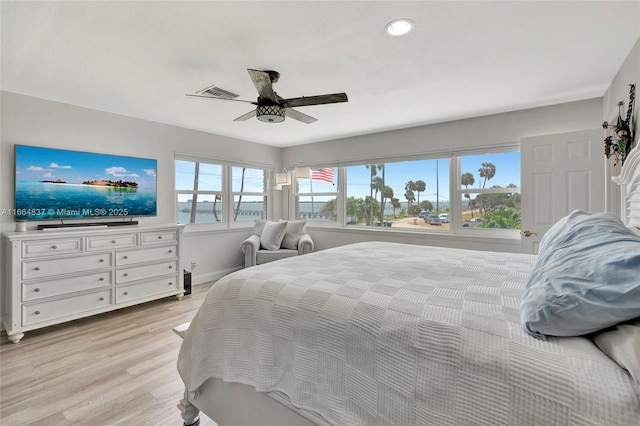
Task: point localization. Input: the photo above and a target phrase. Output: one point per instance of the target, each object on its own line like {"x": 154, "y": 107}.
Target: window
{"x": 489, "y": 191}
{"x": 317, "y": 196}
{"x": 249, "y": 194}
{"x": 204, "y": 189}
{"x": 394, "y": 194}
{"x": 463, "y": 193}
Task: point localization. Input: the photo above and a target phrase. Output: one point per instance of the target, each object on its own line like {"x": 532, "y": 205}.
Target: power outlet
{"x": 193, "y": 265}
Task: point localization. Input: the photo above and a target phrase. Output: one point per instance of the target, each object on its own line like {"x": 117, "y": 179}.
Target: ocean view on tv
{"x": 62, "y": 184}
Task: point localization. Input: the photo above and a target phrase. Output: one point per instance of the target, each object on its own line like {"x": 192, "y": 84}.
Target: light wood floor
{"x": 113, "y": 368}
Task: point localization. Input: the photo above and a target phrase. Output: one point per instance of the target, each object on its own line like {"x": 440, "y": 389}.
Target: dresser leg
{"x": 179, "y": 296}
{"x": 15, "y": 338}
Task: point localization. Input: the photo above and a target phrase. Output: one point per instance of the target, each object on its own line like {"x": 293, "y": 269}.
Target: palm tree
{"x": 387, "y": 194}
{"x": 374, "y": 171}
{"x": 194, "y": 200}
{"x": 409, "y": 194}
{"x": 396, "y": 205}
{"x": 487, "y": 171}
{"x": 240, "y": 196}
{"x": 420, "y": 186}
{"x": 467, "y": 179}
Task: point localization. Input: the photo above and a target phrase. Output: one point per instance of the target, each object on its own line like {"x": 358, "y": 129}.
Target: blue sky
{"x": 37, "y": 164}
{"x": 398, "y": 174}
{"x": 359, "y": 177}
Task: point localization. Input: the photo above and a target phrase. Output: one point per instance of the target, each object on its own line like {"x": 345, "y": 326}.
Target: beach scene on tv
{"x": 62, "y": 184}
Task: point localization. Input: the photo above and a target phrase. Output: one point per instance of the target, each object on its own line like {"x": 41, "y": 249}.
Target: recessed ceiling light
{"x": 399, "y": 27}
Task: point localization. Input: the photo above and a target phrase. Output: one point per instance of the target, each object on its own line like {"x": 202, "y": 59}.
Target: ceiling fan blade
{"x": 297, "y": 115}
{"x": 315, "y": 100}
{"x": 245, "y": 117}
{"x": 262, "y": 81}
{"x": 191, "y": 95}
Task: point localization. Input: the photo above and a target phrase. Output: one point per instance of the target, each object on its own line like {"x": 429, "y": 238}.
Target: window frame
{"x": 226, "y": 192}
{"x": 456, "y": 192}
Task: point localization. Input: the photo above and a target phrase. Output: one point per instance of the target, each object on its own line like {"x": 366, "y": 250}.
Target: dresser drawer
{"x": 41, "y": 290}
{"x": 141, "y": 272}
{"x": 39, "y": 268}
{"x": 129, "y": 257}
{"x": 112, "y": 241}
{"x": 159, "y": 237}
{"x": 51, "y": 247}
{"x": 45, "y": 311}
{"x": 146, "y": 289}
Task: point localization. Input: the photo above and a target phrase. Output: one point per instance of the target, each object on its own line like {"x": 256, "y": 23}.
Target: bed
{"x": 394, "y": 334}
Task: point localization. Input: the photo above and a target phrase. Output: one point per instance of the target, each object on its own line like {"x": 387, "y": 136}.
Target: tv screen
{"x": 62, "y": 184}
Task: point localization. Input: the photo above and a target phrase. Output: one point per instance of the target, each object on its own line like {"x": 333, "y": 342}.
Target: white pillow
{"x": 272, "y": 235}
{"x": 259, "y": 226}
{"x": 622, "y": 344}
{"x": 293, "y": 231}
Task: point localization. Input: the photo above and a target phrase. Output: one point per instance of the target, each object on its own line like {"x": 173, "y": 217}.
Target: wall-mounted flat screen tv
{"x": 61, "y": 184}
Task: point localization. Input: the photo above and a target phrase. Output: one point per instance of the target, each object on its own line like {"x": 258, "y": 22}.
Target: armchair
{"x": 276, "y": 240}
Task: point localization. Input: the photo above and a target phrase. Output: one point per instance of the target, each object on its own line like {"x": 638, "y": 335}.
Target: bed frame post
{"x": 190, "y": 414}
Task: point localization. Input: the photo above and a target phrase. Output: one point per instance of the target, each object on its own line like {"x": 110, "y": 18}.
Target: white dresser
{"x": 58, "y": 275}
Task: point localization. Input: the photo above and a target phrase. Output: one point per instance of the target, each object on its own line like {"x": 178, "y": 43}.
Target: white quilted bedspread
{"x": 394, "y": 334}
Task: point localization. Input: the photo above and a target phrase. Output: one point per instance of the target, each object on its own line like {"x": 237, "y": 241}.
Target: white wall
{"x": 32, "y": 121}
{"x": 477, "y": 132}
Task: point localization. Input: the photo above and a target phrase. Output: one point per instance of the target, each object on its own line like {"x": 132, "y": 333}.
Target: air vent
{"x": 217, "y": 92}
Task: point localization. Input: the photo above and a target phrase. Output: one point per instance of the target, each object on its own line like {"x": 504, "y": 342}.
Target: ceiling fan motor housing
{"x": 270, "y": 113}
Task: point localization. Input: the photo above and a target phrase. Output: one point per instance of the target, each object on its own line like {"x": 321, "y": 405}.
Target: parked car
{"x": 423, "y": 214}
{"x": 433, "y": 219}
{"x": 473, "y": 223}
{"x": 444, "y": 217}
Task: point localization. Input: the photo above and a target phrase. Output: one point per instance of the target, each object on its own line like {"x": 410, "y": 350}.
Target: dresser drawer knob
{"x": 170, "y": 283}
{"x": 125, "y": 257}
{"x": 37, "y": 312}
{"x": 101, "y": 279}
{"x": 113, "y": 241}
{"x": 101, "y": 299}
{"x": 126, "y": 293}
{"x": 54, "y": 247}
{"x": 37, "y": 268}
{"x": 170, "y": 251}
{"x": 37, "y": 290}
{"x": 101, "y": 260}
{"x": 159, "y": 237}
{"x": 125, "y": 274}
{"x": 170, "y": 266}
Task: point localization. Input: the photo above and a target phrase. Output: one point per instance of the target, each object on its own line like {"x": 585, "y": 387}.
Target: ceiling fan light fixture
{"x": 399, "y": 27}
{"x": 270, "y": 113}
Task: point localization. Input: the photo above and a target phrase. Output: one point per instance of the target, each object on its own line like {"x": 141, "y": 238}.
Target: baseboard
{"x": 207, "y": 277}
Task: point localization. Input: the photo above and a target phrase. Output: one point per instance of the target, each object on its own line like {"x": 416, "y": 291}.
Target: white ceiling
{"x": 463, "y": 59}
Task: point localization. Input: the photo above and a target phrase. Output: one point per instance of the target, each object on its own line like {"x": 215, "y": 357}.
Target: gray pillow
{"x": 585, "y": 278}
{"x": 293, "y": 231}
{"x": 622, "y": 344}
{"x": 259, "y": 227}
{"x": 272, "y": 235}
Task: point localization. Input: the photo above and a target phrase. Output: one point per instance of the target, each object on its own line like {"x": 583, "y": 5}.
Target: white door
{"x": 560, "y": 173}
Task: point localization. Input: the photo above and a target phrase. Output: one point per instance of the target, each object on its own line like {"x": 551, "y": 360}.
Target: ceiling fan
{"x": 270, "y": 107}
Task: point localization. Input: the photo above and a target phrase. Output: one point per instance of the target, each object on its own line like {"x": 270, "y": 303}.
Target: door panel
{"x": 560, "y": 173}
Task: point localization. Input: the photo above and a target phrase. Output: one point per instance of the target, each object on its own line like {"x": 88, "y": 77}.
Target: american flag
{"x": 325, "y": 174}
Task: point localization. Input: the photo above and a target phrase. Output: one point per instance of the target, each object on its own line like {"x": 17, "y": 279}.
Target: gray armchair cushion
{"x": 293, "y": 232}
{"x": 272, "y": 235}
{"x": 265, "y": 256}
{"x": 255, "y": 255}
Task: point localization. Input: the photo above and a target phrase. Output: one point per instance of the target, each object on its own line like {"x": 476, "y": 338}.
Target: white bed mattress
{"x": 393, "y": 334}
